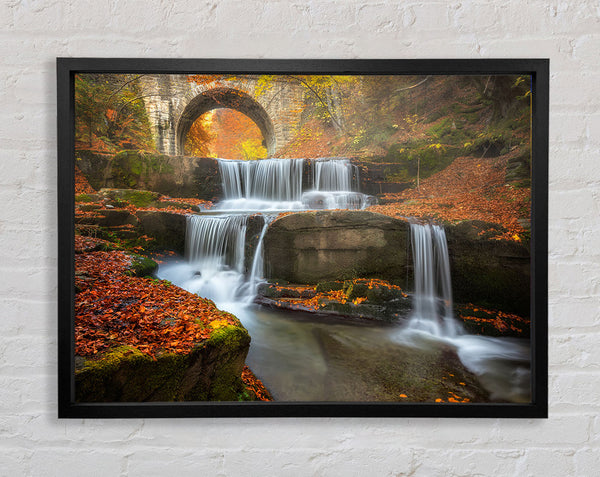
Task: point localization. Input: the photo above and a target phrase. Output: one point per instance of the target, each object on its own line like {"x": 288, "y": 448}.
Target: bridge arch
{"x": 173, "y": 103}
{"x": 223, "y": 97}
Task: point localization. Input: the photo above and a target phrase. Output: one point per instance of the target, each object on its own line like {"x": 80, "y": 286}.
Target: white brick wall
{"x": 33, "y": 442}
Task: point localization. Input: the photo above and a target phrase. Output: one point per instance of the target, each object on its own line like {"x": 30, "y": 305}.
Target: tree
{"x": 110, "y": 114}
{"x": 197, "y": 141}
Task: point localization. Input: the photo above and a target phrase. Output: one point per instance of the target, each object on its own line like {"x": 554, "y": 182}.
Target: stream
{"x": 303, "y": 356}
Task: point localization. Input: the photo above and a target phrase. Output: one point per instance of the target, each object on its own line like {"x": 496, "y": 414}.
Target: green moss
{"x": 140, "y": 198}
{"x": 83, "y": 198}
{"x": 229, "y": 336}
{"x": 489, "y": 144}
{"x": 329, "y": 286}
{"x": 92, "y": 380}
{"x": 421, "y": 156}
{"x": 142, "y": 266}
{"x": 127, "y": 167}
{"x": 343, "y": 308}
{"x": 356, "y": 290}
{"x": 227, "y": 384}
{"x": 126, "y": 374}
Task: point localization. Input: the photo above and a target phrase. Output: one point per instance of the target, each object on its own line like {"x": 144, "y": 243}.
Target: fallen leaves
{"x": 114, "y": 309}
{"x": 255, "y": 385}
{"x": 308, "y": 298}
{"x": 477, "y": 317}
{"x": 82, "y": 186}
{"x": 468, "y": 189}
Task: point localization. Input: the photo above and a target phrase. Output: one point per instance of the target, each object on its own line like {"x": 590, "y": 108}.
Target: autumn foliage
{"x": 110, "y": 114}
{"x": 255, "y": 385}
{"x": 82, "y": 186}
{"x": 312, "y": 298}
{"x": 480, "y": 320}
{"x": 468, "y": 189}
{"x": 113, "y": 308}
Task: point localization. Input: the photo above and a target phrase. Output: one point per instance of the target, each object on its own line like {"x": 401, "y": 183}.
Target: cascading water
{"x": 333, "y": 175}
{"x": 277, "y": 184}
{"x": 268, "y": 184}
{"x": 258, "y": 261}
{"x": 433, "y": 288}
{"x": 214, "y": 266}
{"x": 336, "y": 184}
{"x": 502, "y": 364}
{"x": 216, "y": 241}
{"x": 217, "y": 267}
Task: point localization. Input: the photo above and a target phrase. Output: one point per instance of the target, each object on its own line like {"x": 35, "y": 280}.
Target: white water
{"x": 277, "y": 180}
{"x": 216, "y": 242}
{"x": 215, "y": 269}
{"x": 257, "y": 271}
{"x": 501, "y": 364}
{"x": 278, "y": 184}
{"x": 433, "y": 288}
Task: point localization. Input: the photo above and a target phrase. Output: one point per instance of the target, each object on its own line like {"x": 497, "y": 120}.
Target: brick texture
{"x": 34, "y": 443}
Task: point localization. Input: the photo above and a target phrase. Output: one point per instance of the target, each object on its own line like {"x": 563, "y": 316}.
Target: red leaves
{"x": 503, "y": 322}
{"x": 255, "y": 385}
{"x": 316, "y": 300}
{"x": 113, "y": 309}
{"x": 82, "y": 186}
{"x": 467, "y": 189}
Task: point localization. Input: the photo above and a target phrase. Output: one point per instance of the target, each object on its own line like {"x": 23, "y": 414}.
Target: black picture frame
{"x": 66, "y": 70}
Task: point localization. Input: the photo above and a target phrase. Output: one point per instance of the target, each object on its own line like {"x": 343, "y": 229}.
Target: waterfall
{"x": 259, "y": 182}
{"x": 277, "y": 184}
{"x": 336, "y": 183}
{"x": 333, "y": 175}
{"x": 215, "y": 248}
{"x": 433, "y": 288}
{"x": 216, "y": 240}
{"x": 257, "y": 271}
{"x": 215, "y": 255}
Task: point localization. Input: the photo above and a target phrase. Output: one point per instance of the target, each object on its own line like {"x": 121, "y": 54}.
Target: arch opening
{"x": 229, "y": 98}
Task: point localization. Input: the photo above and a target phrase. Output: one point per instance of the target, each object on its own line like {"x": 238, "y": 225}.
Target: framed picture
{"x": 302, "y": 237}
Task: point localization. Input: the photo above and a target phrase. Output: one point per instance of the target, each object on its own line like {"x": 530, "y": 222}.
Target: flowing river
{"x": 310, "y": 357}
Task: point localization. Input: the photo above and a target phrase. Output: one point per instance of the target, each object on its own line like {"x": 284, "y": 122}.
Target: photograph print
{"x": 302, "y": 238}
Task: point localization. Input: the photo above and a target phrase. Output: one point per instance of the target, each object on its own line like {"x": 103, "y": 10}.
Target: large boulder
{"x": 312, "y": 247}
{"x": 175, "y": 176}
{"x": 209, "y": 372}
{"x": 490, "y": 272}
{"x": 166, "y": 228}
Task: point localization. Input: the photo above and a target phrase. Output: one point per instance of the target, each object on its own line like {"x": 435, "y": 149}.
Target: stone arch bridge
{"x": 174, "y": 103}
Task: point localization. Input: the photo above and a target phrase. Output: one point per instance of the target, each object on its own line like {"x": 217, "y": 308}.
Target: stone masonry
{"x": 174, "y": 103}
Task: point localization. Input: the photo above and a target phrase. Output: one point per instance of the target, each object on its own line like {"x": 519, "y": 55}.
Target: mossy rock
{"x": 142, "y": 266}
{"x": 487, "y": 145}
{"x": 518, "y": 169}
{"x": 376, "y": 293}
{"x": 272, "y": 291}
{"x": 179, "y": 205}
{"x": 88, "y": 207}
{"x": 86, "y": 197}
{"x": 356, "y": 290}
{"x": 211, "y": 371}
{"x": 330, "y": 286}
{"x": 269, "y": 291}
{"x": 129, "y": 168}
{"x": 138, "y": 198}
